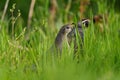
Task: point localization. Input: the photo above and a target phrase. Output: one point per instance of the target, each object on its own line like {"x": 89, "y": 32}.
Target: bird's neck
{"x": 59, "y": 39}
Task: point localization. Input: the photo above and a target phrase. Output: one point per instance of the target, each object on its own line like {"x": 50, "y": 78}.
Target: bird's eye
{"x": 67, "y": 27}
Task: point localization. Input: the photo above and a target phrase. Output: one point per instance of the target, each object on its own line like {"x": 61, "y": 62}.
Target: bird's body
{"x": 61, "y": 37}
{"x": 59, "y": 41}
{"x": 79, "y": 40}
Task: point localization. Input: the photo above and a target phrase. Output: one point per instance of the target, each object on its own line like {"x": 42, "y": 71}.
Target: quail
{"x": 77, "y": 36}
{"x": 99, "y": 20}
{"x": 62, "y": 36}
{"x": 57, "y": 48}
{"x": 60, "y": 40}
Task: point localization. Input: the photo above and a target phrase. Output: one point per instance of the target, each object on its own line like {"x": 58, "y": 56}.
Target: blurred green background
{"x": 63, "y": 10}
{"x": 25, "y": 41}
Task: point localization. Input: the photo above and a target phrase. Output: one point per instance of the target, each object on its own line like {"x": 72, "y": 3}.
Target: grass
{"x": 26, "y": 60}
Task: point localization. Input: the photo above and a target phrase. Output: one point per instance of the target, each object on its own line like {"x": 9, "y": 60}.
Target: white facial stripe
{"x": 85, "y": 21}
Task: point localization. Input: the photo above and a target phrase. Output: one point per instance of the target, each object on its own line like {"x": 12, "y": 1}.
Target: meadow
{"x": 25, "y": 59}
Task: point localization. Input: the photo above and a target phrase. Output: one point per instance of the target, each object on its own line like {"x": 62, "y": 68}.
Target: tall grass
{"x": 26, "y": 60}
